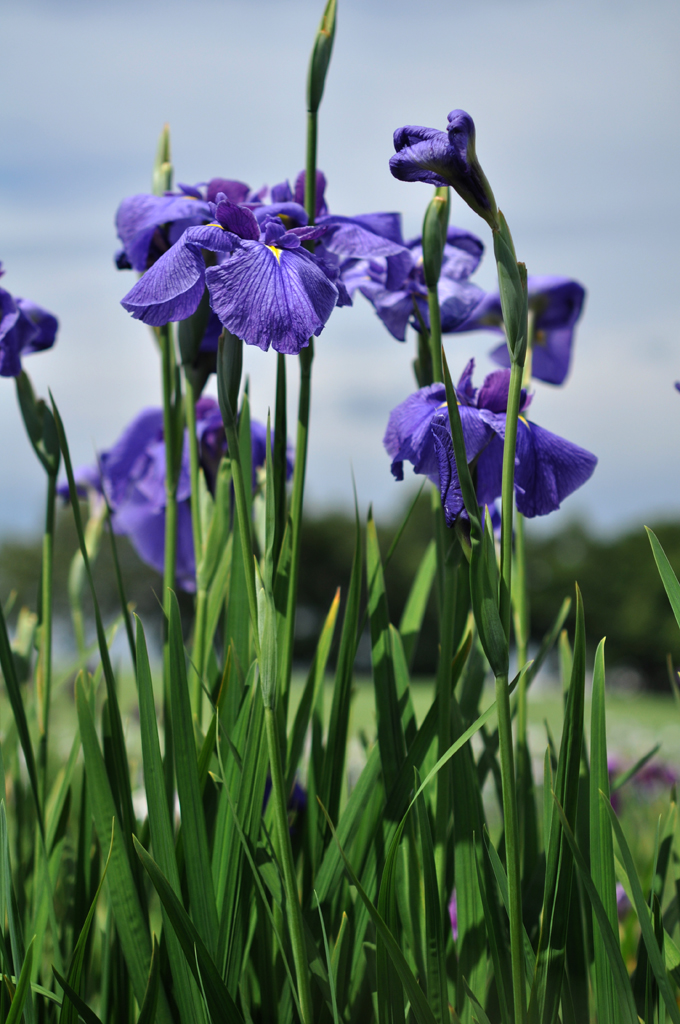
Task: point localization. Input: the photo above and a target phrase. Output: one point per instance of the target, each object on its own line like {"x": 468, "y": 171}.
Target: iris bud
{"x": 162, "y": 168}
{"x": 434, "y": 236}
{"x": 321, "y": 56}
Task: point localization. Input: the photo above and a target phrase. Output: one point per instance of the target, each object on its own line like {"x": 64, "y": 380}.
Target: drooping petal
{"x": 352, "y": 236}
{"x": 457, "y": 302}
{"x": 45, "y": 325}
{"x": 172, "y": 288}
{"x": 269, "y": 296}
{"x": 462, "y": 253}
{"x": 548, "y": 470}
{"x": 395, "y": 308}
{"x": 121, "y": 463}
{"x": 422, "y": 154}
{"x": 282, "y": 193}
{"x": 148, "y": 539}
{"x": 139, "y": 217}
{"x": 408, "y": 436}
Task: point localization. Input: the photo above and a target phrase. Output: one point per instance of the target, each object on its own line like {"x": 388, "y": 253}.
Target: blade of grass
{"x": 622, "y": 986}
{"x": 642, "y": 910}
{"x": 222, "y": 1007}
{"x": 199, "y": 875}
{"x": 601, "y": 846}
{"x": 160, "y": 826}
{"x": 23, "y": 989}
{"x": 419, "y": 1006}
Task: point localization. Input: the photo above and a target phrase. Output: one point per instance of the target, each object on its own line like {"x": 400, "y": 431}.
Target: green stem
{"x": 285, "y": 852}
{"x": 244, "y": 527}
{"x": 196, "y": 528}
{"x": 44, "y": 674}
{"x": 435, "y": 334}
{"x": 194, "y": 466}
{"x": 510, "y": 816}
{"x": 170, "y": 550}
{"x": 446, "y": 652}
{"x": 306, "y": 357}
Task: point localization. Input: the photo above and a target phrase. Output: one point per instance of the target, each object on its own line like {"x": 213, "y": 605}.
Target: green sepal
{"x": 162, "y": 166}
{"x": 512, "y": 285}
{"x": 40, "y": 425}
{"x": 435, "y": 225}
{"x": 320, "y": 58}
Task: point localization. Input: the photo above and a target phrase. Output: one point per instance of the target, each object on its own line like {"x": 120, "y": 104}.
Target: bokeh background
{"x": 576, "y": 105}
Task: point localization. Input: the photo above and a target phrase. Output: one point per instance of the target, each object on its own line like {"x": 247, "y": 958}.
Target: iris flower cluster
{"x": 131, "y": 476}
{"x": 548, "y": 468}
{"x": 24, "y": 328}
{"x": 264, "y": 285}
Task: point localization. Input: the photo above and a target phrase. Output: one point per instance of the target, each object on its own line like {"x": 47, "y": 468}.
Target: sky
{"x": 577, "y": 108}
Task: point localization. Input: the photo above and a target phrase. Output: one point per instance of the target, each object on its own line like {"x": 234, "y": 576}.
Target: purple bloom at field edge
{"x": 24, "y": 328}
{"x": 548, "y": 468}
{"x": 445, "y": 158}
{"x": 556, "y": 304}
{"x": 131, "y": 474}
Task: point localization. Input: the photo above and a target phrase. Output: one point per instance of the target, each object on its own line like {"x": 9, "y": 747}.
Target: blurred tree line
{"x": 623, "y": 596}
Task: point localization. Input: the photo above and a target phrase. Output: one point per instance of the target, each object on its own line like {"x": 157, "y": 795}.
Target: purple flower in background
{"x": 556, "y": 304}
{"x": 623, "y": 904}
{"x": 548, "y": 468}
{"x": 149, "y": 225}
{"x": 396, "y": 286}
{"x": 24, "y": 328}
{"x": 266, "y": 289}
{"x": 453, "y": 915}
{"x": 131, "y": 475}
{"x": 445, "y": 158}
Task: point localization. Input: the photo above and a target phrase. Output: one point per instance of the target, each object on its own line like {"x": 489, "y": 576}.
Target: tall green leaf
{"x": 416, "y": 602}
{"x": 222, "y": 1008}
{"x": 131, "y": 924}
{"x": 601, "y": 846}
{"x": 547, "y": 984}
{"x": 160, "y": 826}
{"x": 199, "y": 875}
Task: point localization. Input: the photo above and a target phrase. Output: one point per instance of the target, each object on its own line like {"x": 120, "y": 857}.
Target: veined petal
{"x": 352, "y": 236}
{"x": 408, "y": 436}
{"x": 449, "y": 484}
{"x": 548, "y": 470}
{"x": 236, "y": 191}
{"x": 270, "y": 296}
{"x": 292, "y": 214}
{"x": 395, "y": 309}
{"x": 172, "y": 288}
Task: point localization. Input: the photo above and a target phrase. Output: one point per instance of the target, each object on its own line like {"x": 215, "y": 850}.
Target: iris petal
{"x": 549, "y": 469}
{"x": 172, "y": 288}
{"x": 267, "y": 297}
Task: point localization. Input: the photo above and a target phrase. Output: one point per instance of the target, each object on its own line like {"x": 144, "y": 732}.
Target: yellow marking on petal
{"x": 525, "y": 422}
{"x": 277, "y": 252}
{"x": 214, "y": 225}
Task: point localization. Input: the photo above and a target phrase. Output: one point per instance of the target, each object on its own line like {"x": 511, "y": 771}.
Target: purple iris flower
{"x": 24, "y": 328}
{"x": 445, "y": 158}
{"x": 266, "y": 288}
{"x": 148, "y": 225}
{"x": 556, "y": 304}
{"x": 396, "y": 287}
{"x": 131, "y": 474}
{"x": 548, "y": 468}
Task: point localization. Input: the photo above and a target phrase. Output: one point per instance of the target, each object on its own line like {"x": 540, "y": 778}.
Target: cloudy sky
{"x": 576, "y": 104}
